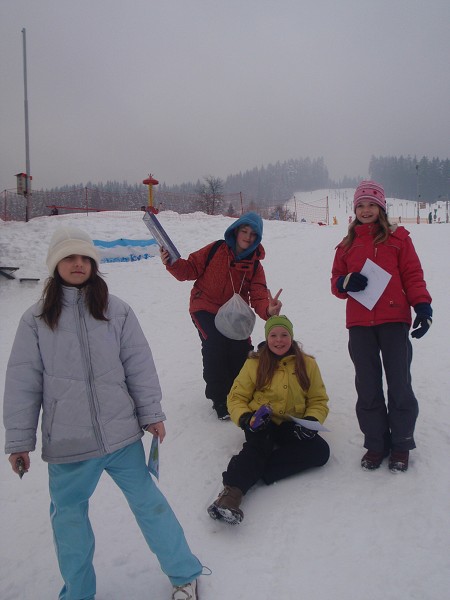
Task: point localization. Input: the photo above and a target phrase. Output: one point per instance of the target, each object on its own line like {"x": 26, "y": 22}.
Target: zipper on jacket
{"x": 89, "y": 376}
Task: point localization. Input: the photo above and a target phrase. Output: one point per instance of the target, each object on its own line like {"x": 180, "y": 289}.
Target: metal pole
{"x": 27, "y": 136}
{"x": 418, "y": 195}
{"x": 150, "y": 195}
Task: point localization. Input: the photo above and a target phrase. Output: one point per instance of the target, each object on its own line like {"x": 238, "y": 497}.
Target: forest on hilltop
{"x": 264, "y": 189}
{"x": 402, "y": 177}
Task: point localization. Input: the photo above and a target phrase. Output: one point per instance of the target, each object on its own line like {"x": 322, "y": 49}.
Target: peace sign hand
{"x": 274, "y": 304}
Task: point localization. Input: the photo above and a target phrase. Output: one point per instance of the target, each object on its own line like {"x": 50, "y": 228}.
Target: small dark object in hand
{"x": 20, "y": 465}
{"x": 261, "y": 418}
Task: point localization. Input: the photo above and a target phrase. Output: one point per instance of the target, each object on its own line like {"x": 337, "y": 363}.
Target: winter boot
{"x": 372, "y": 460}
{"x": 221, "y": 410}
{"x": 226, "y": 507}
{"x": 398, "y": 461}
{"x": 188, "y": 591}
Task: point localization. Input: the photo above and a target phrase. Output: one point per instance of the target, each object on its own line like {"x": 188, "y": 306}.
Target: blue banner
{"x": 124, "y": 250}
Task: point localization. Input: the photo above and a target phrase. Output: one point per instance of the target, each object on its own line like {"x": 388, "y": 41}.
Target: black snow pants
{"x": 273, "y": 454}
{"x": 392, "y": 426}
{"x": 222, "y": 358}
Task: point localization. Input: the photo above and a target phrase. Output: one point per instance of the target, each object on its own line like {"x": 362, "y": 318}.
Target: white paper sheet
{"x": 378, "y": 279}
{"x": 314, "y": 425}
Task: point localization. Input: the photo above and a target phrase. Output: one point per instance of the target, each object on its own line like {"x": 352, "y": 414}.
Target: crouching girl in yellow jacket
{"x": 276, "y": 383}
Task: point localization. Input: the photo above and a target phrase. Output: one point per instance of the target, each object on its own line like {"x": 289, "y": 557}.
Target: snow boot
{"x": 372, "y": 460}
{"x": 188, "y": 591}
{"x": 226, "y": 507}
{"x": 398, "y": 461}
{"x": 221, "y": 410}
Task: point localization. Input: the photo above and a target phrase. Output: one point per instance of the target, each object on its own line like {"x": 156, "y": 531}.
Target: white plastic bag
{"x": 235, "y": 319}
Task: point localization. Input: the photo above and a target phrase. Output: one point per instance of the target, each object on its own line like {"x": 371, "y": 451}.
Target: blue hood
{"x": 255, "y": 222}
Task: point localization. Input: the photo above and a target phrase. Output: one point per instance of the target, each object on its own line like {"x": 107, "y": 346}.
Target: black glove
{"x": 353, "y": 282}
{"x": 256, "y": 421}
{"x": 244, "y": 420}
{"x": 302, "y": 432}
{"x": 423, "y": 319}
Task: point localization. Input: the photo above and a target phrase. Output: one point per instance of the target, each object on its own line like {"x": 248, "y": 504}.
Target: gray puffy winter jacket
{"x": 95, "y": 381}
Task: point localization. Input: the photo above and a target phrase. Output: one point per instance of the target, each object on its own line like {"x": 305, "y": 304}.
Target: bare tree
{"x": 211, "y": 193}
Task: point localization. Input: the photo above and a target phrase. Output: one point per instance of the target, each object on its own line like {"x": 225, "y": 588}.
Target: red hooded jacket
{"x": 398, "y": 257}
{"x": 213, "y": 287}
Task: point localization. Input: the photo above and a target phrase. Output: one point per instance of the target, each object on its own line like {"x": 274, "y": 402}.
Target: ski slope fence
{"x": 13, "y": 207}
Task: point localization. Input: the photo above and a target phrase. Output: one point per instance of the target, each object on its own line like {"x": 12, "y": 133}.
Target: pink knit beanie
{"x": 370, "y": 191}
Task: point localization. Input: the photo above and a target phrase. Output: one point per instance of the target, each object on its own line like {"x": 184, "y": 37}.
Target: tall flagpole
{"x": 27, "y": 136}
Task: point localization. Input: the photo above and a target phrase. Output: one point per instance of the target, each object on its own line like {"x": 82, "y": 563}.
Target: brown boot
{"x": 226, "y": 507}
{"x": 372, "y": 460}
{"x": 398, "y": 461}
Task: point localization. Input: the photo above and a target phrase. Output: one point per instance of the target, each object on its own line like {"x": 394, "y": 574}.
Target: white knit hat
{"x": 66, "y": 241}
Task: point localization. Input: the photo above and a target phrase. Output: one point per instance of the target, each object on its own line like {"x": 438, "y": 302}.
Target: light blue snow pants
{"x": 71, "y": 486}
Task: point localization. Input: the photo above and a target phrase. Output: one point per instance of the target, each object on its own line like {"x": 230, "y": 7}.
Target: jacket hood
{"x": 255, "y": 222}
{"x": 397, "y": 231}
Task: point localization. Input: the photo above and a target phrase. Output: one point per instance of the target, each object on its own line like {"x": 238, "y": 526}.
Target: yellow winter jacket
{"x": 284, "y": 394}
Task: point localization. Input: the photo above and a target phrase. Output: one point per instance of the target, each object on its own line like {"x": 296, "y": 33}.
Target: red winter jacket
{"x": 398, "y": 257}
{"x": 212, "y": 287}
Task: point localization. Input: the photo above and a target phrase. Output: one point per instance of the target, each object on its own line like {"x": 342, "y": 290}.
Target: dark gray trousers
{"x": 390, "y": 426}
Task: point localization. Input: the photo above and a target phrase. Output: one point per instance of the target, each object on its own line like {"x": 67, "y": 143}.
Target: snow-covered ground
{"x": 334, "y": 533}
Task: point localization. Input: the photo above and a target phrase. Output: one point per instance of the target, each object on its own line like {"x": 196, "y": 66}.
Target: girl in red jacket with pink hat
{"x": 384, "y": 328}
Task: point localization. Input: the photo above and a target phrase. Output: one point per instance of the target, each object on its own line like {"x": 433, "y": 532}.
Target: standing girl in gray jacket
{"x": 81, "y": 357}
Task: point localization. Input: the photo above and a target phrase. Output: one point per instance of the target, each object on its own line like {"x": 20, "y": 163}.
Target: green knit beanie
{"x": 279, "y": 321}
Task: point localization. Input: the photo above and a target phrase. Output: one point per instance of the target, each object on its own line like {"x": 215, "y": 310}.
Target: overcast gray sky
{"x": 183, "y": 89}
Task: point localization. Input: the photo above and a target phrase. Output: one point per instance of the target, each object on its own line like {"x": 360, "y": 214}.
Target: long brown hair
{"x": 95, "y": 295}
{"x": 381, "y": 236}
{"x": 268, "y": 363}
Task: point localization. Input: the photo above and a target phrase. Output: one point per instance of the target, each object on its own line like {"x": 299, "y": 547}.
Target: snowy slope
{"x": 337, "y": 532}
